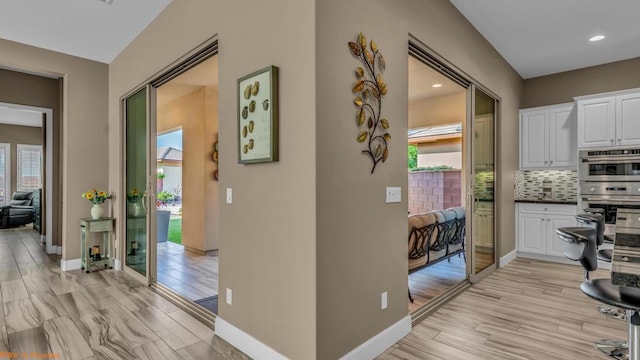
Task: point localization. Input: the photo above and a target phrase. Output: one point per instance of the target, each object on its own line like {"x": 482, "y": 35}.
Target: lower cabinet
{"x": 537, "y": 224}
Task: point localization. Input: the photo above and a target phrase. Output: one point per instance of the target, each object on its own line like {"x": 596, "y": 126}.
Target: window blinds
{"x": 4, "y": 173}
{"x": 29, "y": 167}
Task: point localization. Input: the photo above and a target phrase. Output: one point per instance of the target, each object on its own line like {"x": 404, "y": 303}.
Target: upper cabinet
{"x": 548, "y": 137}
{"x": 611, "y": 119}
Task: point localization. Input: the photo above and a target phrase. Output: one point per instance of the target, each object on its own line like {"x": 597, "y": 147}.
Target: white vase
{"x": 134, "y": 209}
{"x": 97, "y": 211}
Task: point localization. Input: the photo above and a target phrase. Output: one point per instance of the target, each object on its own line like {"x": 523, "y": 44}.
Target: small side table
{"x": 105, "y": 226}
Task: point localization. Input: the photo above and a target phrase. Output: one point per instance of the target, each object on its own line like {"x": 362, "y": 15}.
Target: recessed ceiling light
{"x": 436, "y": 85}
{"x": 597, "y": 38}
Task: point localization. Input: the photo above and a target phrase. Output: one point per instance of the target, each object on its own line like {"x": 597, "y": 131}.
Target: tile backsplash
{"x": 546, "y": 185}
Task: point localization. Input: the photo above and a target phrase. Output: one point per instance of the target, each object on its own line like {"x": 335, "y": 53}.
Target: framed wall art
{"x": 258, "y": 116}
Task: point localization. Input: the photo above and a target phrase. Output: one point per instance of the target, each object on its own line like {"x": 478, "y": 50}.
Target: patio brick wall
{"x": 434, "y": 190}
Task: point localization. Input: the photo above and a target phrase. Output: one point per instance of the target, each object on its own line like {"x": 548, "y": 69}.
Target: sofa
{"x": 435, "y": 236}
{"x": 19, "y": 210}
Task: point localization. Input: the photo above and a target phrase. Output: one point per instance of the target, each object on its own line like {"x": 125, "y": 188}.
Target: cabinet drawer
{"x": 99, "y": 226}
{"x": 548, "y": 209}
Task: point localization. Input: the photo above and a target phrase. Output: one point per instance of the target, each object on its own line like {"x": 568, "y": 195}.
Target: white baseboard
{"x": 381, "y": 342}
{"x": 117, "y": 264}
{"x": 245, "y": 342}
{"x": 68, "y": 265}
{"x": 558, "y": 259}
{"x": 508, "y": 258}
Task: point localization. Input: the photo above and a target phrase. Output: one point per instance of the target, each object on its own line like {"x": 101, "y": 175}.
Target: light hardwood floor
{"x": 527, "y": 310}
{"x": 100, "y": 315}
{"x": 192, "y": 276}
{"x": 432, "y": 281}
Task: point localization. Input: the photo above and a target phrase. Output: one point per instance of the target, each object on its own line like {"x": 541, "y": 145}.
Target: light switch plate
{"x": 394, "y": 194}
{"x": 229, "y": 297}
{"x": 229, "y": 196}
{"x": 383, "y": 301}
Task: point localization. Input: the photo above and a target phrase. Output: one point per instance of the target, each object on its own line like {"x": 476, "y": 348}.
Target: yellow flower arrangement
{"x": 134, "y": 195}
{"x": 96, "y": 197}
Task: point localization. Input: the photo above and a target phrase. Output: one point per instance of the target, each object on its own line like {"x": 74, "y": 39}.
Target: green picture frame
{"x": 258, "y": 116}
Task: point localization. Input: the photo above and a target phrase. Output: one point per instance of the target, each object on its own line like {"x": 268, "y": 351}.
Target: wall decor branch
{"x": 369, "y": 89}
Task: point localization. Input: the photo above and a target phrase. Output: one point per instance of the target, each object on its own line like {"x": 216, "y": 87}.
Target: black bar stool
{"x": 580, "y": 245}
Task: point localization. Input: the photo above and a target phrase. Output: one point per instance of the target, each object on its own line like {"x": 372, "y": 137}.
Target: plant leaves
{"x": 378, "y": 151}
{"x": 358, "y": 86}
{"x": 374, "y": 46}
{"x": 366, "y": 94}
{"x": 384, "y": 123}
{"x": 362, "y": 41}
{"x": 358, "y": 101}
{"x": 381, "y": 63}
{"x": 355, "y": 49}
{"x": 387, "y": 136}
{"x": 370, "y": 122}
{"x": 367, "y": 54}
{"x": 363, "y": 136}
{"x": 385, "y": 155}
{"x": 379, "y": 80}
{"x": 359, "y": 72}
{"x": 360, "y": 117}
{"x": 375, "y": 92}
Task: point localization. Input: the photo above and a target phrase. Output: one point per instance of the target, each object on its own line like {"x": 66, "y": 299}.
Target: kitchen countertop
{"x": 547, "y": 201}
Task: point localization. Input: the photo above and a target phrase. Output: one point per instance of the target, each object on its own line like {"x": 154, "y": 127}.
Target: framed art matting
{"x": 258, "y": 116}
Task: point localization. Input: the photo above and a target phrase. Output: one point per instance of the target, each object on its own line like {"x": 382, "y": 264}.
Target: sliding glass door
{"x": 140, "y": 185}
{"x": 481, "y": 185}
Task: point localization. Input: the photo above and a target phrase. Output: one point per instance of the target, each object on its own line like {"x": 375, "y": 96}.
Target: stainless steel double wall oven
{"x": 609, "y": 179}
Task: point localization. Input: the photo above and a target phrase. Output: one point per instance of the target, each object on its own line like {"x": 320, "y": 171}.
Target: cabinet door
{"x": 480, "y": 159}
{"x": 532, "y": 233}
{"x": 563, "y": 149}
{"x": 555, "y": 246}
{"x": 596, "y": 122}
{"x": 533, "y": 139}
{"x": 628, "y": 119}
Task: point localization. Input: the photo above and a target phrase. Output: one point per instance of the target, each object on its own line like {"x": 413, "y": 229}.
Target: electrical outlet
{"x": 229, "y": 196}
{"x": 383, "y": 301}
{"x": 229, "y": 297}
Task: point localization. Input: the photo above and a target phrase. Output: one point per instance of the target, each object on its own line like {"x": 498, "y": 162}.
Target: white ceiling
{"x": 421, "y": 79}
{"x": 90, "y": 29}
{"x": 541, "y": 37}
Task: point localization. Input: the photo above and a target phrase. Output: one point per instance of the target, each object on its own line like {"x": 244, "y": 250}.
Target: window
{"x": 29, "y": 167}
{"x": 4, "y": 173}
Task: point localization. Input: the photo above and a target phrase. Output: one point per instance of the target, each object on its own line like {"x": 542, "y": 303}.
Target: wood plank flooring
{"x": 527, "y": 310}
{"x": 434, "y": 280}
{"x": 100, "y": 315}
{"x": 190, "y": 275}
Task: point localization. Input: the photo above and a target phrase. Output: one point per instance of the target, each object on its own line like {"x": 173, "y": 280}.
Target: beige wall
{"x": 14, "y": 135}
{"x": 446, "y": 109}
{"x": 199, "y": 189}
{"x": 267, "y": 236}
{"x": 82, "y": 124}
{"x": 562, "y": 87}
{"x": 361, "y": 240}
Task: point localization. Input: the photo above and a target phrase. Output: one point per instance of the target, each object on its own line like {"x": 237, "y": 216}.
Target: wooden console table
{"x": 104, "y": 226}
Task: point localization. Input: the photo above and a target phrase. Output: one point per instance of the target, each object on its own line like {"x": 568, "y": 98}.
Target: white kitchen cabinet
{"x": 484, "y": 232}
{"x": 483, "y": 142}
{"x": 611, "y": 119}
{"x": 548, "y": 137}
{"x": 537, "y": 224}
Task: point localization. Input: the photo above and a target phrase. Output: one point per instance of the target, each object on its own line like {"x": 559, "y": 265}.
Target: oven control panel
{"x": 622, "y": 188}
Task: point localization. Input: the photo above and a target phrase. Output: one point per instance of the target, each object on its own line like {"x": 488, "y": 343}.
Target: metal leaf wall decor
{"x": 369, "y": 89}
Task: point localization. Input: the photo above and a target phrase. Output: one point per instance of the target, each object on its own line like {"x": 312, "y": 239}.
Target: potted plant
{"x": 163, "y": 216}
{"x": 160, "y": 181}
{"x": 97, "y": 198}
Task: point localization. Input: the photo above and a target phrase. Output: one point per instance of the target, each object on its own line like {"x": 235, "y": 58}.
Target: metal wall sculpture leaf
{"x": 369, "y": 89}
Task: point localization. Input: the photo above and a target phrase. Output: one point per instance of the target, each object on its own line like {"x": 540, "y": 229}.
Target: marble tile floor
{"x": 191, "y": 275}
{"x": 100, "y": 315}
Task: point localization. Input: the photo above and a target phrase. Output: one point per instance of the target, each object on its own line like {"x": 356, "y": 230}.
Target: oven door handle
{"x": 613, "y": 201}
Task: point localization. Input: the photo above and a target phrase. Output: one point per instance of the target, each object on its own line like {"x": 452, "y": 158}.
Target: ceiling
{"x": 90, "y": 29}
{"x": 204, "y": 74}
{"x": 542, "y": 37}
{"x": 421, "y": 79}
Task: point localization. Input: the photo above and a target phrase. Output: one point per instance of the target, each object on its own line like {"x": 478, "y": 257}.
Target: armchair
{"x": 19, "y": 211}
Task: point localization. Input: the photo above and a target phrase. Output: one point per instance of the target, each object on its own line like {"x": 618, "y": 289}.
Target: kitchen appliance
{"x": 609, "y": 164}
{"x": 610, "y": 180}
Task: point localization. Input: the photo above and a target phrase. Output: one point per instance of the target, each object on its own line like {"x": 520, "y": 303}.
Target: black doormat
{"x": 209, "y": 303}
